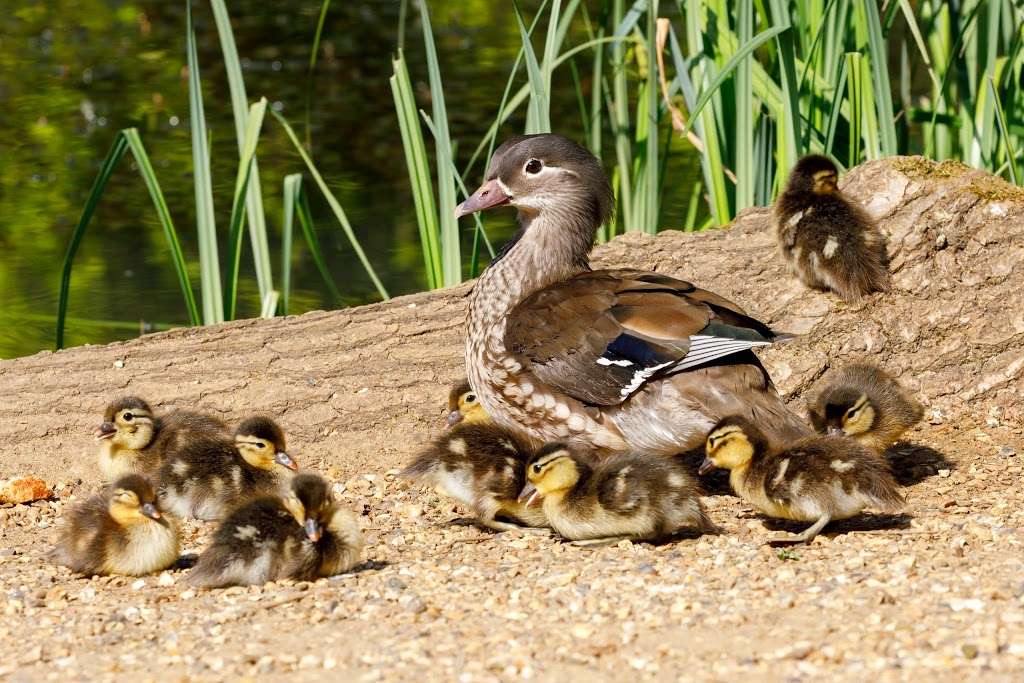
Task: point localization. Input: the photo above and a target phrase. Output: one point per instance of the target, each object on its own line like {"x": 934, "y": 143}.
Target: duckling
{"x": 864, "y": 402}
{"x": 119, "y": 530}
{"x": 463, "y": 406}
{"x": 133, "y": 440}
{"x": 826, "y": 240}
{"x": 213, "y": 473}
{"x": 483, "y": 467}
{"x": 817, "y": 479}
{"x": 623, "y": 496}
{"x": 302, "y": 535}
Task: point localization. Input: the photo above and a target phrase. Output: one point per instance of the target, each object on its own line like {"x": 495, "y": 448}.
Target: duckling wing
{"x": 600, "y": 336}
{"x": 624, "y": 487}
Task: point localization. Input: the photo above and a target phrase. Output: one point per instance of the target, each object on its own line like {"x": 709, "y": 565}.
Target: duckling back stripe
{"x": 705, "y": 348}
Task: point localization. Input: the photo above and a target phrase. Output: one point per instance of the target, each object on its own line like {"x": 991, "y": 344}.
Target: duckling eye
{"x": 470, "y": 398}
{"x": 536, "y": 469}
{"x": 534, "y": 166}
{"x": 127, "y": 417}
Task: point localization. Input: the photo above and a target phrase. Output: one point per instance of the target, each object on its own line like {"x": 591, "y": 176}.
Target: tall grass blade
{"x": 240, "y": 112}
{"x": 126, "y": 140}
{"x": 242, "y": 188}
{"x": 744, "y": 164}
{"x": 1004, "y": 133}
{"x": 296, "y": 203}
{"x": 538, "y": 118}
{"x": 418, "y": 168}
{"x": 790, "y": 130}
{"x": 618, "y": 114}
{"x": 886, "y": 123}
{"x": 212, "y": 299}
{"x": 269, "y": 304}
{"x": 332, "y": 201}
{"x": 289, "y": 199}
{"x": 117, "y": 151}
{"x": 314, "y": 51}
{"x": 451, "y": 258}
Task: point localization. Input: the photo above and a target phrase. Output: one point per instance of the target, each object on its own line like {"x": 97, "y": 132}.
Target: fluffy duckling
{"x": 825, "y": 240}
{"x": 483, "y": 467}
{"x": 463, "y": 406}
{"x": 864, "y": 402}
{"x": 624, "y": 496}
{"x": 817, "y": 479}
{"x": 119, "y": 530}
{"x": 213, "y": 473}
{"x": 301, "y": 535}
{"x": 134, "y": 440}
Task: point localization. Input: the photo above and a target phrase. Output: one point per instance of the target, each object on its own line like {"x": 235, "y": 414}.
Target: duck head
{"x": 133, "y": 501}
{"x": 310, "y": 502}
{"x": 732, "y": 444}
{"x": 546, "y": 176}
{"x": 815, "y": 174}
{"x": 261, "y": 443}
{"x": 463, "y": 406}
{"x": 555, "y": 470}
{"x": 128, "y": 424}
{"x": 843, "y": 410}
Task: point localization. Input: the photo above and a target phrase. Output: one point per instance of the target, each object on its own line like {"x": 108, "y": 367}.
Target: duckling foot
{"x": 806, "y": 537}
{"x": 509, "y": 526}
{"x": 600, "y": 542}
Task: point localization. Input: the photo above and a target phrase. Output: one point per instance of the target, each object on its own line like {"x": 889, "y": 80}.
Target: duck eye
{"x": 470, "y": 398}
{"x": 128, "y": 417}
{"x": 536, "y": 469}
{"x": 534, "y": 166}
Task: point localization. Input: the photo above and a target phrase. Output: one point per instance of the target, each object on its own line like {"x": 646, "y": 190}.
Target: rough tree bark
{"x": 360, "y": 389}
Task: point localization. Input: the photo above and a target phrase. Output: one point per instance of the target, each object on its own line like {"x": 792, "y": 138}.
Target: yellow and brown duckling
{"x": 817, "y": 479}
{"x": 463, "y": 406}
{"x": 119, "y": 530}
{"x": 864, "y": 402}
{"x": 302, "y": 534}
{"x": 482, "y": 466}
{"x": 825, "y": 240}
{"x": 212, "y": 473}
{"x": 134, "y": 440}
{"x": 623, "y": 496}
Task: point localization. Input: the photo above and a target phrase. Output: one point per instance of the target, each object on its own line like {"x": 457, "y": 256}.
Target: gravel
{"x": 937, "y": 593}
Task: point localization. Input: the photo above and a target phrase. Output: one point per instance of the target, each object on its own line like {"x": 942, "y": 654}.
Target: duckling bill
{"x": 119, "y": 530}
{"x": 302, "y": 534}
{"x": 624, "y": 496}
{"x": 825, "y": 239}
{"x": 463, "y": 406}
{"x": 482, "y": 466}
{"x": 817, "y": 479}
{"x": 210, "y": 474}
{"x": 864, "y": 402}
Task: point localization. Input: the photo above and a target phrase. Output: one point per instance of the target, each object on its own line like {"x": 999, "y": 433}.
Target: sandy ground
{"x": 936, "y": 593}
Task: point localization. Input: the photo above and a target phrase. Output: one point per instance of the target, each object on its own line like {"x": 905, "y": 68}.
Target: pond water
{"x": 74, "y": 73}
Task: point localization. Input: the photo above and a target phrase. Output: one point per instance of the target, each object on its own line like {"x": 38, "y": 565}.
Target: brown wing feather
{"x": 562, "y": 334}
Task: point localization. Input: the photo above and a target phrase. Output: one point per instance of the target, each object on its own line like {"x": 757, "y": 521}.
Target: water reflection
{"x": 73, "y": 72}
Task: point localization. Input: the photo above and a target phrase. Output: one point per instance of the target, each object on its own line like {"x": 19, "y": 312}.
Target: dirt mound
{"x": 936, "y": 591}
{"x": 358, "y": 388}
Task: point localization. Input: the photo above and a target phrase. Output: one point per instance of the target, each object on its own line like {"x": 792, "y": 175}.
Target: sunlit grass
{"x": 750, "y": 86}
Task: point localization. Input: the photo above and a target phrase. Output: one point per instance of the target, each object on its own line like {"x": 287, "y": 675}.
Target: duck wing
{"x": 602, "y": 335}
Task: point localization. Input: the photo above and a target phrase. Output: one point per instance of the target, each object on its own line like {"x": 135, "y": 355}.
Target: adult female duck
{"x": 618, "y": 360}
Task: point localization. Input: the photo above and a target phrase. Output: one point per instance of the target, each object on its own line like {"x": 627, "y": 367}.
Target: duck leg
{"x": 600, "y": 542}
{"x": 806, "y": 537}
{"x": 510, "y": 526}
